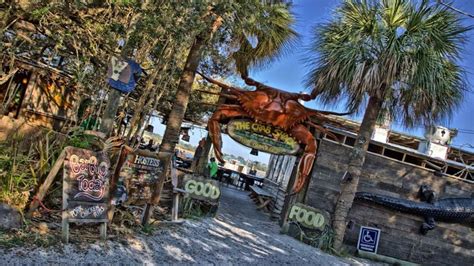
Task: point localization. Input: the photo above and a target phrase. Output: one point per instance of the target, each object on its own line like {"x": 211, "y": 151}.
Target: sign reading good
{"x": 85, "y": 185}
{"x": 202, "y": 189}
{"x": 262, "y": 137}
{"x": 308, "y": 217}
{"x": 368, "y": 239}
{"x": 139, "y": 174}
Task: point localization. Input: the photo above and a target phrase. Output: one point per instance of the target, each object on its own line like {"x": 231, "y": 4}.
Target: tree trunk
{"x": 175, "y": 118}
{"x": 354, "y": 170}
{"x": 139, "y": 109}
{"x": 108, "y": 119}
{"x": 201, "y": 165}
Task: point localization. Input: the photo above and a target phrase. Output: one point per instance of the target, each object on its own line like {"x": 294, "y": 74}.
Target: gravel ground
{"x": 239, "y": 234}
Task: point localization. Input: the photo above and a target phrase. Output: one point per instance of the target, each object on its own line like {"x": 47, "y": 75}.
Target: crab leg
{"x": 304, "y": 136}
{"x": 223, "y": 112}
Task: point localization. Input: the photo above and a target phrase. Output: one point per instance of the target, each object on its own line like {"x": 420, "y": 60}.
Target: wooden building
{"x": 32, "y": 95}
{"x": 394, "y": 167}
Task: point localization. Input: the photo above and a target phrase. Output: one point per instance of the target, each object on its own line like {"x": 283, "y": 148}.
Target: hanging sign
{"x": 85, "y": 185}
{"x": 368, "y": 239}
{"x": 138, "y": 176}
{"x": 123, "y": 74}
{"x": 262, "y": 137}
{"x": 202, "y": 189}
{"x": 308, "y": 217}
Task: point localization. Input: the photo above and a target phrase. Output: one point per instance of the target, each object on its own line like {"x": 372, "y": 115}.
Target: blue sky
{"x": 289, "y": 73}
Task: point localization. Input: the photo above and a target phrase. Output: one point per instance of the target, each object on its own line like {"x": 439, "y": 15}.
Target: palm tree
{"x": 267, "y": 23}
{"x": 398, "y": 54}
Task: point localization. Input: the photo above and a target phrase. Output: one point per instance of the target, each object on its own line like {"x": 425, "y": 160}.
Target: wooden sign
{"x": 262, "y": 137}
{"x": 202, "y": 189}
{"x": 85, "y": 188}
{"x": 139, "y": 174}
{"x": 308, "y": 217}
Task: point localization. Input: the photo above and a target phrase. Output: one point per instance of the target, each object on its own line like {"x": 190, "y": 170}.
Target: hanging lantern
{"x": 149, "y": 128}
{"x": 185, "y": 138}
{"x": 254, "y": 152}
{"x": 185, "y": 132}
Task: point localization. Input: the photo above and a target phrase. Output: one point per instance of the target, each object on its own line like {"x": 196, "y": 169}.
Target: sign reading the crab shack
{"x": 262, "y": 137}
{"x": 85, "y": 185}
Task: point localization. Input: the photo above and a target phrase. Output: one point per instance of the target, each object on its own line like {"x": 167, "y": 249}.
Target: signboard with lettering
{"x": 308, "y": 217}
{"x": 368, "y": 239}
{"x": 139, "y": 174}
{"x": 85, "y": 185}
{"x": 262, "y": 137}
{"x": 202, "y": 189}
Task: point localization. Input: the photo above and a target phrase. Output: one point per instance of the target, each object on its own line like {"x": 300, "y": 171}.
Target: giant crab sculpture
{"x": 275, "y": 107}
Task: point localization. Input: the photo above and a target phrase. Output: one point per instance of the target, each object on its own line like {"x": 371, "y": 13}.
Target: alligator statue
{"x": 454, "y": 210}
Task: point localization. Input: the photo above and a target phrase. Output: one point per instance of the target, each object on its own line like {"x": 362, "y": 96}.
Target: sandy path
{"x": 238, "y": 235}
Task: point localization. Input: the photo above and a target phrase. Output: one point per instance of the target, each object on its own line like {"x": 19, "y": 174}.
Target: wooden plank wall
{"x": 279, "y": 193}
{"x": 277, "y": 179}
{"x": 447, "y": 244}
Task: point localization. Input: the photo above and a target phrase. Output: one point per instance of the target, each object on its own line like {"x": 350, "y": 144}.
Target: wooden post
{"x": 47, "y": 183}
{"x": 27, "y": 99}
{"x": 289, "y": 199}
{"x": 124, "y": 151}
{"x": 65, "y": 229}
{"x": 175, "y": 210}
{"x": 65, "y": 219}
{"x": 165, "y": 157}
{"x": 103, "y": 231}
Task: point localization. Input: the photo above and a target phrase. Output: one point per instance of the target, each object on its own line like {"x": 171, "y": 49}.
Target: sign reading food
{"x": 308, "y": 217}
{"x": 85, "y": 185}
{"x": 262, "y": 137}
{"x": 138, "y": 175}
{"x": 202, "y": 189}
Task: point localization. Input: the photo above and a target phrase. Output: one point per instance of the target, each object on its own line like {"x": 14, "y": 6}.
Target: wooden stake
{"x": 103, "y": 231}
{"x": 175, "y": 210}
{"x": 65, "y": 229}
{"x": 47, "y": 183}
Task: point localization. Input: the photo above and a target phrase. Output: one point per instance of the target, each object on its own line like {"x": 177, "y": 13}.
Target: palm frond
{"x": 402, "y": 51}
{"x": 272, "y": 30}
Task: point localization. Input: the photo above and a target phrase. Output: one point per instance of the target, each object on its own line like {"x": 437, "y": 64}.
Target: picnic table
{"x": 262, "y": 197}
{"x": 246, "y": 181}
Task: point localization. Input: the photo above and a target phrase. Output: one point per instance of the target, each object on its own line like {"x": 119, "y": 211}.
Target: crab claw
{"x": 223, "y": 113}
{"x": 304, "y": 136}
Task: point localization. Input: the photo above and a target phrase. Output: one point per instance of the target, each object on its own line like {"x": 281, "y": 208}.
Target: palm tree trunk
{"x": 175, "y": 118}
{"x": 349, "y": 185}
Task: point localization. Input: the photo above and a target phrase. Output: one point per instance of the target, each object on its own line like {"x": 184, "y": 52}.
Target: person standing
{"x": 213, "y": 168}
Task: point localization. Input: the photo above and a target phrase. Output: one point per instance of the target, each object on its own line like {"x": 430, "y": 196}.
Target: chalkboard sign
{"x": 202, "y": 189}
{"x": 139, "y": 174}
{"x": 85, "y": 188}
{"x": 85, "y": 184}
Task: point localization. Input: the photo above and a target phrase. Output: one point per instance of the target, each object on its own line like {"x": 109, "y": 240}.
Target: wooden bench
{"x": 261, "y": 197}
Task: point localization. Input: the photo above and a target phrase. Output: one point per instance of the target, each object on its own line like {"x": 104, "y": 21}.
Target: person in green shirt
{"x": 213, "y": 168}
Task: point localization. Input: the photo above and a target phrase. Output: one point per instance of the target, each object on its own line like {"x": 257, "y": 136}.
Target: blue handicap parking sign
{"x": 368, "y": 239}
